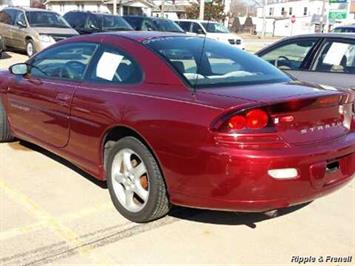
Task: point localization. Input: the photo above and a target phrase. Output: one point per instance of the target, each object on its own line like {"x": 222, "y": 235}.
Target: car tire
{"x": 5, "y": 132}
{"x": 131, "y": 167}
{"x": 30, "y": 48}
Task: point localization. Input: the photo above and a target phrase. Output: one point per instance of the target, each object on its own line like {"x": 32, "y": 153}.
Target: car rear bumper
{"x": 238, "y": 180}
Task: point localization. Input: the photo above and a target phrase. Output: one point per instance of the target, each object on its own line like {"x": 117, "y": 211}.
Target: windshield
{"x": 214, "y": 27}
{"x": 114, "y": 23}
{"x": 46, "y": 19}
{"x": 167, "y": 25}
{"x": 217, "y": 65}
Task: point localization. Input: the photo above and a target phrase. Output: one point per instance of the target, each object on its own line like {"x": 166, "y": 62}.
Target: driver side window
{"x": 67, "y": 62}
{"x": 290, "y": 56}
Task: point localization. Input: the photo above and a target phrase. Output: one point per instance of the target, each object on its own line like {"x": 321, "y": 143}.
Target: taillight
{"x": 254, "y": 119}
{"x": 251, "y": 129}
{"x": 257, "y": 119}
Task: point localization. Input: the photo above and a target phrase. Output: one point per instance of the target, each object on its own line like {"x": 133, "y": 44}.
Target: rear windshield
{"x": 209, "y": 63}
{"x": 114, "y": 23}
{"x": 46, "y": 19}
{"x": 167, "y": 25}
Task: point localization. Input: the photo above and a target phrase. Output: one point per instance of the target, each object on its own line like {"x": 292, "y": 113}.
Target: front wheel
{"x": 30, "y": 48}
{"x": 135, "y": 182}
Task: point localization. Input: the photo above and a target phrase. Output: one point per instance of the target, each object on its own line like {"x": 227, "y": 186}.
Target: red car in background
{"x": 174, "y": 119}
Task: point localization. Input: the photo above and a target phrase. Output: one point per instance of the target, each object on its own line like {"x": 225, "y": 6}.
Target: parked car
{"x": 142, "y": 23}
{"x": 2, "y": 46}
{"x": 320, "y": 58}
{"x": 32, "y": 29}
{"x": 211, "y": 29}
{"x": 218, "y": 129}
{"x": 345, "y": 29}
{"x": 87, "y": 22}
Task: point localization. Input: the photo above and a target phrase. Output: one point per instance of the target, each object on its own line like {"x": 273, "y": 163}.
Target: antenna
{"x": 200, "y": 60}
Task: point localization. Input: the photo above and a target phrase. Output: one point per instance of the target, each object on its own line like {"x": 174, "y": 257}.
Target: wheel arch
{"x": 117, "y": 132}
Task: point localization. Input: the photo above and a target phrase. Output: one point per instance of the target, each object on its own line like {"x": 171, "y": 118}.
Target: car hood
{"x": 54, "y": 31}
{"x": 265, "y": 93}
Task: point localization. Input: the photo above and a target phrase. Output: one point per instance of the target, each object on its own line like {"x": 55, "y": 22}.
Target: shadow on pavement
{"x": 5, "y": 56}
{"x": 230, "y": 218}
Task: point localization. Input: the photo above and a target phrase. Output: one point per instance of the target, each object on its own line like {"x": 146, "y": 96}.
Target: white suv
{"x": 212, "y": 30}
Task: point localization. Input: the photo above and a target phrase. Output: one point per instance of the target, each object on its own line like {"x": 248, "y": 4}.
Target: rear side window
{"x": 290, "y": 56}
{"x": 8, "y": 16}
{"x": 115, "y": 66}
{"x": 185, "y": 25}
{"x": 336, "y": 57}
{"x": 5, "y": 17}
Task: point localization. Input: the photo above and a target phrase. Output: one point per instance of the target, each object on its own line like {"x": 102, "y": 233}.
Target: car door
{"x": 291, "y": 56}
{"x": 39, "y": 102}
{"x": 19, "y": 31}
{"x": 111, "y": 70}
{"x": 334, "y": 64}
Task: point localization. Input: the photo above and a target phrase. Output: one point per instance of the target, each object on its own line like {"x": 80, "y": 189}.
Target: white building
{"x": 307, "y": 15}
{"x": 24, "y": 3}
{"x": 124, "y": 7}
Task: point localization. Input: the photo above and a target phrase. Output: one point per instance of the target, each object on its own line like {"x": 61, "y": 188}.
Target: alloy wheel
{"x": 130, "y": 180}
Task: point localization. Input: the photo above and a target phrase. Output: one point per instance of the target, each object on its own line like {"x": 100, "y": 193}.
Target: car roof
{"x": 145, "y": 17}
{"x": 90, "y": 12}
{"x": 141, "y": 36}
{"x": 196, "y": 20}
{"x": 337, "y": 35}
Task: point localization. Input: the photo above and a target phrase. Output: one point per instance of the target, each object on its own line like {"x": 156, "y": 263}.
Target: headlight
{"x": 46, "y": 38}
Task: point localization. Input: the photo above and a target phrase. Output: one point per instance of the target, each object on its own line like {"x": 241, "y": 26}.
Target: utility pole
{"x": 162, "y": 8}
{"x": 264, "y": 19}
{"x": 322, "y": 17}
{"x": 263, "y": 6}
{"x": 202, "y": 9}
{"x": 114, "y": 4}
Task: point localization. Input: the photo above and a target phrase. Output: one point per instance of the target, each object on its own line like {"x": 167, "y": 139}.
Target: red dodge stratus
{"x": 175, "y": 119}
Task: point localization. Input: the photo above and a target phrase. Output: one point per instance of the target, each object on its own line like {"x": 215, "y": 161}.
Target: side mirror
{"x": 19, "y": 69}
{"x": 21, "y": 24}
{"x": 93, "y": 27}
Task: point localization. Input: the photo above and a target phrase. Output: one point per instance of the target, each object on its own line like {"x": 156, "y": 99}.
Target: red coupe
{"x": 175, "y": 119}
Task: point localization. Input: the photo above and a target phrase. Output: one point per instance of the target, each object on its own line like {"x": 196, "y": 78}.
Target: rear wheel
{"x": 30, "y": 47}
{"x": 135, "y": 182}
{"x": 5, "y": 133}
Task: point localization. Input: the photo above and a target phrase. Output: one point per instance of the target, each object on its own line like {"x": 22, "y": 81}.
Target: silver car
{"x": 327, "y": 59}
{"x": 32, "y": 29}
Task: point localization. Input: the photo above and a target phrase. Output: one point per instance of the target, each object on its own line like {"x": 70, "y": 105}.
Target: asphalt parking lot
{"x": 52, "y": 213}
